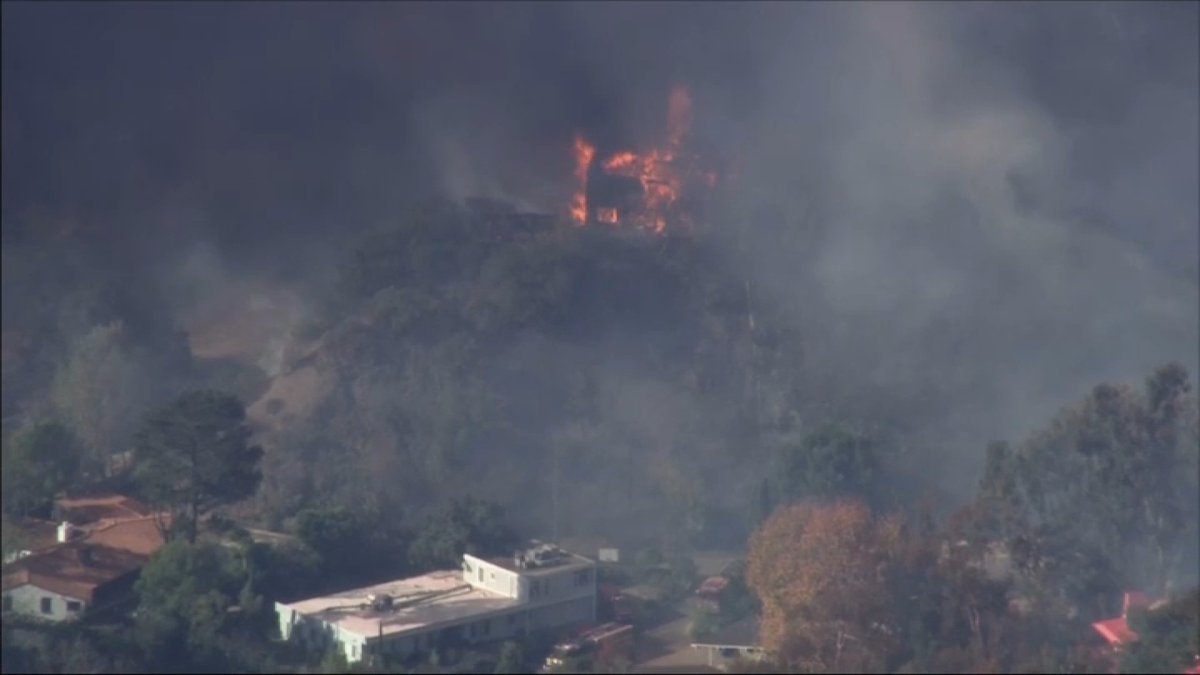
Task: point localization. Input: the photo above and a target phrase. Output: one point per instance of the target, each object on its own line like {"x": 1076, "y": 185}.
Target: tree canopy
{"x": 195, "y": 454}
{"x": 832, "y": 461}
{"x": 819, "y": 573}
{"x": 39, "y": 462}
{"x": 1115, "y": 476}
{"x": 467, "y": 525}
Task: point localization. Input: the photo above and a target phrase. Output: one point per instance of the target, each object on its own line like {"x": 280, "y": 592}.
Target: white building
{"x": 542, "y": 588}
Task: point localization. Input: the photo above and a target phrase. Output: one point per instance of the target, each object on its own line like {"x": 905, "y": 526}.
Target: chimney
{"x": 64, "y": 532}
{"x": 1132, "y": 600}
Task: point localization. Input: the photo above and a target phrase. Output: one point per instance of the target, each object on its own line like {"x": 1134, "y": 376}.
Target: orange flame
{"x": 661, "y": 173}
{"x": 584, "y": 152}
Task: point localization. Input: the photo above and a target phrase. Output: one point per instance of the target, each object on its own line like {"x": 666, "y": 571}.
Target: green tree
{"x": 330, "y": 532}
{"x": 832, "y": 461}
{"x": 468, "y": 525}
{"x": 194, "y": 455}
{"x": 40, "y": 461}
{"x": 183, "y": 596}
{"x": 512, "y": 660}
{"x": 1116, "y": 476}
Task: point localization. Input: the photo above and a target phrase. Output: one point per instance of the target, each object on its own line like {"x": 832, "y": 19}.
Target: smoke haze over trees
{"x": 943, "y": 224}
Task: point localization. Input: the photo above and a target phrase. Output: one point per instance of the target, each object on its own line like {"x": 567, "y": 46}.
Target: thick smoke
{"x": 976, "y": 212}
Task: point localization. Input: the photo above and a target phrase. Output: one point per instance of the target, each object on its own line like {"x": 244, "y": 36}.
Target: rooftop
{"x": 431, "y": 599}
{"x": 91, "y": 508}
{"x": 109, "y": 550}
{"x": 1115, "y": 631}
{"x": 141, "y": 536}
{"x": 76, "y": 569}
{"x": 550, "y": 559}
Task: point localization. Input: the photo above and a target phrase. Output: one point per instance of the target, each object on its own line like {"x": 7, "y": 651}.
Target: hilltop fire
{"x": 646, "y": 190}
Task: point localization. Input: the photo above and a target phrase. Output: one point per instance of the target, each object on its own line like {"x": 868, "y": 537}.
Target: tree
{"x": 1115, "y": 475}
{"x": 101, "y": 389}
{"x": 820, "y": 574}
{"x": 41, "y": 461}
{"x": 833, "y": 461}
{"x": 511, "y": 659}
{"x": 468, "y": 525}
{"x": 194, "y": 455}
{"x": 183, "y": 594}
{"x": 1168, "y": 637}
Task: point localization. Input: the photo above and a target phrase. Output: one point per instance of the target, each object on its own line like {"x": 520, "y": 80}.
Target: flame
{"x": 662, "y": 173}
{"x": 584, "y": 152}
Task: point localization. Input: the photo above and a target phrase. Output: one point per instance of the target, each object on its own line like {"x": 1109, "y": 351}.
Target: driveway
{"x": 667, "y": 649}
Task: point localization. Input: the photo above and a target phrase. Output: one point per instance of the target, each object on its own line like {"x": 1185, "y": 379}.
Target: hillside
{"x": 469, "y": 351}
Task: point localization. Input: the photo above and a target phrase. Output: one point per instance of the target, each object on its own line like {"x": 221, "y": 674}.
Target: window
{"x": 583, "y": 577}
{"x": 535, "y": 589}
{"x": 486, "y": 628}
{"x": 73, "y": 606}
{"x": 481, "y": 574}
{"x": 8, "y": 603}
{"x": 512, "y": 618}
{"x": 47, "y": 605}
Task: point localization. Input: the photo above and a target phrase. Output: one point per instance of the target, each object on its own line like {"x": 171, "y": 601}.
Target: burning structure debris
{"x": 644, "y": 190}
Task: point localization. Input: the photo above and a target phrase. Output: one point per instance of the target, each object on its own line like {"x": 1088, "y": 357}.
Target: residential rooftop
{"x": 108, "y": 550}
{"x": 142, "y": 536}
{"x": 84, "y": 509}
{"x": 76, "y": 569}
{"x": 432, "y": 599}
{"x": 556, "y": 560}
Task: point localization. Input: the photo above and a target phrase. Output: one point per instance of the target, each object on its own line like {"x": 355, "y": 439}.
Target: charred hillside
{"x": 479, "y": 350}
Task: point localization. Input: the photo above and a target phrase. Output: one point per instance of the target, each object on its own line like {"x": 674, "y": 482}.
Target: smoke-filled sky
{"x": 993, "y": 198}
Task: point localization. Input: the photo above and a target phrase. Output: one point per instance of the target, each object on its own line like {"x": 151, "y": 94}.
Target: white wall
{"x": 566, "y": 613}
{"x": 483, "y": 574}
{"x": 27, "y": 600}
{"x": 558, "y": 585}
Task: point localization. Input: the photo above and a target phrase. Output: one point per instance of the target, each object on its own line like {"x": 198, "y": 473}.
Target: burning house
{"x": 647, "y": 190}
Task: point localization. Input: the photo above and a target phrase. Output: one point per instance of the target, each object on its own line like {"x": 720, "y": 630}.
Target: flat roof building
{"x": 540, "y": 588}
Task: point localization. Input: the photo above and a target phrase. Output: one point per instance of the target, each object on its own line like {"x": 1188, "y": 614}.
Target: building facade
{"x": 89, "y": 566}
{"x": 540, "y": 589}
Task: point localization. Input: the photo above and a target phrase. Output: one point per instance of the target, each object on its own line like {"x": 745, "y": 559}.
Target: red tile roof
{"x": 1115, "y": 631}
{"x": 136, "y": 535}
{"x": 109, "y": 550}
{"x": 75, "y": 570}
{"x": 82, "y": 510}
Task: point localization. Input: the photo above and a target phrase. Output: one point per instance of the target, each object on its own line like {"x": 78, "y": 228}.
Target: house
{"x": 738, "y": 640}
{"x": 1116, "y": 632}
{"x": 542, "y": 588}
{"x": 83, "y": 510}
{"x": 83, "y": 569}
